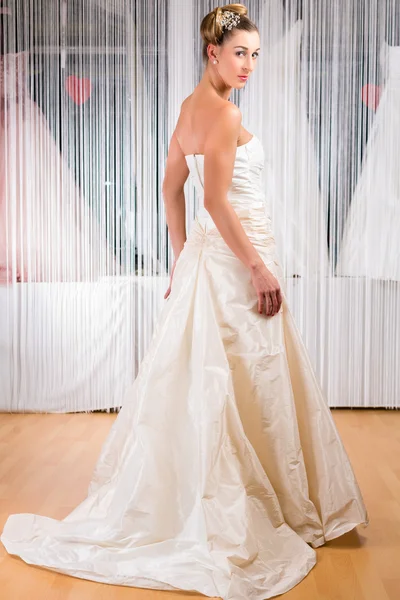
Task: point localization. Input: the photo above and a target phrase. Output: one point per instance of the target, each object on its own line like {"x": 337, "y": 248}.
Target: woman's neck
{"x": 211, "y": 79}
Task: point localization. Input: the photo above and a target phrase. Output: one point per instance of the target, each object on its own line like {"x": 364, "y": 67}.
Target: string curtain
{"x": 90, "y": 92}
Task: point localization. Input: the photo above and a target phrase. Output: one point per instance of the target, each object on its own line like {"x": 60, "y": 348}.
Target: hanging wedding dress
{"x": 370, "y": 245}
{"x": 47, "y": 232}
{"x": 224, "y": 467}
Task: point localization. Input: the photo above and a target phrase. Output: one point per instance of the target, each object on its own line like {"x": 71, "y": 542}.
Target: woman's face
{"x": 237, "y": 57}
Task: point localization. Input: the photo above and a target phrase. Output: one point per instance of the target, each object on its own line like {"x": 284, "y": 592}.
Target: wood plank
{"x": 45, "y": 466}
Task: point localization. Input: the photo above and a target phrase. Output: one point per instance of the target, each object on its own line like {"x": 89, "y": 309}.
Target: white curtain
{"x": 89, "y": 96}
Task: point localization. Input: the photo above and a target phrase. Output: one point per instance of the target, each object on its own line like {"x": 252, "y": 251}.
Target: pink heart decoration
{"x": 371, "y": 95}
{"x": 78, "y": 89}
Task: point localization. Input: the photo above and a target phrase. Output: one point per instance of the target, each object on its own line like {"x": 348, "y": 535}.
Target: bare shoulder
{"x": 183, "y": 112}
{"x": 225, "y": 129}
{"x": 228, "y": 117}
{"x": 231, "y": 110}
{"x": 185, "y": 103}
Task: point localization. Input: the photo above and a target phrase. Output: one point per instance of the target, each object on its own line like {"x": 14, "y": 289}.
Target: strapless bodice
{"x": 246, "y": 193}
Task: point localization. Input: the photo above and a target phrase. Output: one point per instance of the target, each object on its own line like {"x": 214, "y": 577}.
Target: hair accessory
{"x": 228, "y": 19}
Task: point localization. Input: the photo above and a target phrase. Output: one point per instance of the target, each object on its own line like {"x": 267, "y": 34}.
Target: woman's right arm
{"x": 219, "y": 160}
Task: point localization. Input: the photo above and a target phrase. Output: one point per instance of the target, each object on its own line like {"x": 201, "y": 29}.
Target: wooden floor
{"x": 45, "y": 466}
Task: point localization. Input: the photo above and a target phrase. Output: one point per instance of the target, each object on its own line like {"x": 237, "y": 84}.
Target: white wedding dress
{"x": 370, "y": 246}
{"x": 48, "y": 232}
{"x": 224, "y": 467}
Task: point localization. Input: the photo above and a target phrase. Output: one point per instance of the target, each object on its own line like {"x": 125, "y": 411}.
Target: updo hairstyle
{"x": 212, "y": 31}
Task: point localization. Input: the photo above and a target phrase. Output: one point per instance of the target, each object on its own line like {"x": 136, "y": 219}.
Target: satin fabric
{"x": 224, "y": 467}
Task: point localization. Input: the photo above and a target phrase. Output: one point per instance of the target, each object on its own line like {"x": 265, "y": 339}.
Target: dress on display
{"x": 47, "y": 233}
{"x": 296, "y": 202}
{"x": 224, "y": 468}
{"x": 370, "y": 245}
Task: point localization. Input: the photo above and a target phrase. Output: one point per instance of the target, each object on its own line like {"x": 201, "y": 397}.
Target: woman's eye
{"x": 242, "y": 52}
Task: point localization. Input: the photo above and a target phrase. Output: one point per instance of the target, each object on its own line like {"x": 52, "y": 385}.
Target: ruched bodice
{"x": 246, "y": 193}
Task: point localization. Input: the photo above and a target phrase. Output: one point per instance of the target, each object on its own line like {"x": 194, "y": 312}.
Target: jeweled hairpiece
{"x": 229, "y": 19}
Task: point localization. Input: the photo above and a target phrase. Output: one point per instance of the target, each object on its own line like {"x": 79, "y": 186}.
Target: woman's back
{"x": 199, "y": 115}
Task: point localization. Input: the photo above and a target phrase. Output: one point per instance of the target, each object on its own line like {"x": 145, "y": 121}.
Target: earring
{"x": 215, "y": 62}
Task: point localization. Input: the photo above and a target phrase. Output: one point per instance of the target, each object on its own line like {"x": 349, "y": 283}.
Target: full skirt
{"x": 224, "y": 468}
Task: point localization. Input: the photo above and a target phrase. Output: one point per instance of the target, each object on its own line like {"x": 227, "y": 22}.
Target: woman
{"x": 224, "y": 467}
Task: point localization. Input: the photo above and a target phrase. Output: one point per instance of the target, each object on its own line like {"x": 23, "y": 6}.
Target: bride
{"x": 224, "y": 469}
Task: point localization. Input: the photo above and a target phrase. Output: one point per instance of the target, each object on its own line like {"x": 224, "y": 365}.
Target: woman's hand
{"x": 167, "y": 293}
{"x": 267, "y": 288}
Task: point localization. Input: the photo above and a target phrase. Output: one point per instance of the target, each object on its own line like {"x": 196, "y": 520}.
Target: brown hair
{"x": 212, "y": 32}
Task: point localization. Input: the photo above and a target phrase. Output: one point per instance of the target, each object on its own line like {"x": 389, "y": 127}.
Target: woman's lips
{"x": 243, "y": 77}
